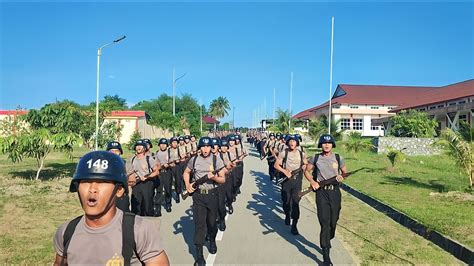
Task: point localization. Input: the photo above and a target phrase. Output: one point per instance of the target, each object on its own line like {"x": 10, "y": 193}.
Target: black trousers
{"x": 289, "y": 196}
{"x": 240, "y": 173}
{"x": 123, "y": 203}
{"x": 142, "y": 198}
{"x": 166, "y": 181}
{"x": 271, "y": 168}
{"x": 328, "y": 203}
{"x": 204, "y": 216}
{"x": 221, "y": 198}
{"x": 229, "y": 187}
{"x": 177, "y": 178}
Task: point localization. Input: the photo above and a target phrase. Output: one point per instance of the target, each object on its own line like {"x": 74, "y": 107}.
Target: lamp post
{"x": 97, "y": 89}
{"x": 174, "y": 90}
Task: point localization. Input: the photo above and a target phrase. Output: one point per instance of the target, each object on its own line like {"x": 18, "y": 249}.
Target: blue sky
{"x": 237, "y": 50}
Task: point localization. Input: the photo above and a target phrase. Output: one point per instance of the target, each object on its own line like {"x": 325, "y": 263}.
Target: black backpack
{"x": 128, "y": 237}
{"x": 316, "y": 158}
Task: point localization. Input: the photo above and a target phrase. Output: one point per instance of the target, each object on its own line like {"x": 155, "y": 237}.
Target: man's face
{"x": 224, "y": 149}
{"x": 272, "y": 138}
{"x": 193, "y": 139}
{"x": 292, "y": 144}
{"x": 181, "y": 142}
{"x": 205, "y": 150}
{"x": 327, "y": 147}
{"x": 115, "y": 151}
{"x": 174, "y": 144}
{"x": 186, "y": 140}
{"x": 231, "y": 143}
{"x": 95, "y": 194}
{"x": 163, "y": 147}
{"x": 139, "y": 149}
{"x": 215, "y": 148}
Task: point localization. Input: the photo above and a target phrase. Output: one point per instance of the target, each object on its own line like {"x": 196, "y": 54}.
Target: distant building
{"x": 210, "y": 122}
{"x": 135, "y": 121}
{"x": 367, "y": 108}
{"x": 11, "y": 115}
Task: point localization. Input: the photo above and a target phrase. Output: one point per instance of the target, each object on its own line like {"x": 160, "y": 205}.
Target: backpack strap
{"x": 283, "y": 164}
{"x": 214, "y": 162}
{"x": 222, "y": 156}
{"x": 301, "y": 158}
{"x": 338, "y": 159}
{"x": 148, "y": 163}
{"x": 315, "y": 170}
{"x": 194, "y": 163}
{"x": 70, "y": 228}
{"x": 128, "y": 237}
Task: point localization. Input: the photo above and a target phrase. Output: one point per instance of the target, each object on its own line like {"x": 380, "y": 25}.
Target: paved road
{"x": 256, "y": 233}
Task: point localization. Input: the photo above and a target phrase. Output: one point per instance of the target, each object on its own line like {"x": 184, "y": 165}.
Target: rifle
{"x": 330, "y": 181}
{"x": 285, "y": 178}
{"x": 199, "y": 182}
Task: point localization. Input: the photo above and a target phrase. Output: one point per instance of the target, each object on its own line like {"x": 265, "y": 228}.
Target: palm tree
{"x": 282, "y": 121}
{"x": 460, "y": 150}
{"x": 219, "y": 107}
{"x": 319, "y": 126}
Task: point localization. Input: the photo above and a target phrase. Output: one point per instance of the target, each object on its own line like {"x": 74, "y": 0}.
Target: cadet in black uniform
{"x": 175, "y": 160}
{"x": 324, "y": 166}
{"x": 143, "y": 169}
{"x": 123, "y": 203}
{"x": 268, "y": 150}
{"x": 291, "y": 163}
{"x": 163, "y": 182}
{"x": 207, "y": 173}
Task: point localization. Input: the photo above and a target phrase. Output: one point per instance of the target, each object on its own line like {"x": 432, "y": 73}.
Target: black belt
{"x": 204, "y": 191}
{"x": 330, "y": 187}
{"x": 164, "y": 170}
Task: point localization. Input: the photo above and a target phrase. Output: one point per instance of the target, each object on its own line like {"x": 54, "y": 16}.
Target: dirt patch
{"x": 456, "y": 195}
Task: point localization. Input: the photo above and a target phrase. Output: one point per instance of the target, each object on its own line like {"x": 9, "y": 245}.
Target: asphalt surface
{"x": 256, "y": 233}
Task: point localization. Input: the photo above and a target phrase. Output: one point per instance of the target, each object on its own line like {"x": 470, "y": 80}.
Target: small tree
{"x": 319, "y": 126}
{"x": 356, "y": 143}
{"x": 37, "y": 144}
{"x": 394, "y": 156}
{"x": 460, "y": 150}
{"x": 414, "y": 124}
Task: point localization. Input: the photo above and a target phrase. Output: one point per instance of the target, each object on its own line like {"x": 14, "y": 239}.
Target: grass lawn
{"x": 429, "y": 189}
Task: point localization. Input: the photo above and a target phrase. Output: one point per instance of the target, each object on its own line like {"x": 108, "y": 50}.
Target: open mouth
{"x": 92, "y": 202}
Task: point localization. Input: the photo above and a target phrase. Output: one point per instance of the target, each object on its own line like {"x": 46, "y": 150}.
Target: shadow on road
{"x": 185, "y": 226}
{"x": 267, "y": 205}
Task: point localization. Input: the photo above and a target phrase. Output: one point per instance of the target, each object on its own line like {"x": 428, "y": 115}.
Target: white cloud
{"x": 111, "y": 77}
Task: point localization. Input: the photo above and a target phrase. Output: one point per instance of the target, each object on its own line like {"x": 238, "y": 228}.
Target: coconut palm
{"x": 319, "y": 126}
{"x": 356, "y": 143}
{"x": 282, "y": 121}
{"x": 219, "y": 107}
{"x": 460, "y": 150}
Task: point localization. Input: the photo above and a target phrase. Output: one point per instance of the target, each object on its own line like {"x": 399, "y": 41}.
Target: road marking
{"x": 210, "y": 259}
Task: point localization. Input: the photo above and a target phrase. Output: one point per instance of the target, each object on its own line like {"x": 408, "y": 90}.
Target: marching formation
{"x": 210, "y": 171}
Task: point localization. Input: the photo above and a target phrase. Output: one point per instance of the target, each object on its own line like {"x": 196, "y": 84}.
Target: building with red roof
{"x": 367, "y": 108}
{"x": 211, "y": 122}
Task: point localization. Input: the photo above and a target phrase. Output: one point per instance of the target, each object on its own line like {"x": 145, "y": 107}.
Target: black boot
{"x": 212, "y": 246}
{"x": 221, "y": 225}
{"x": 231, "y": 209}
{"x": 177, "y": 198}
{"x": 157, "y": 211}
{"x": 200, "y": 261}
{"x": 168, "y": 207}
{"x": 326, "y": 258}
{"x": 287, "y": 220}
{"x": 294, "y": 230}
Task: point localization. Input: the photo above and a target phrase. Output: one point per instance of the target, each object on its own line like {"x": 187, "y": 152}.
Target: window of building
{"x": 345, "y": 123}
{"x": 336, "y": 106}
{"x": 463, "y": 118}
{"x": 441, "y": 106}
{"x": 461, "y": 102}
{"x": 357, "y": 124}
{"x": 374, "y": 127}
{"x": 451, "y": 104}
{"x": 432, "y": 107}
{"x": 390, "y": 107}
{"x": 374, "y": 107}
{"x": 422, "y": 109}
{"x": 354, "y": 107}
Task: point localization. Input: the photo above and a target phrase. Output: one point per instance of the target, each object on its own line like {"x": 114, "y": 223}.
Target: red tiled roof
{"x": 13, "y": 112}
{"x": 442, "y": 94}
{"x": 127, "y": 113}
{"x": 209, "y": 120}
{"x": 401, "y": 96}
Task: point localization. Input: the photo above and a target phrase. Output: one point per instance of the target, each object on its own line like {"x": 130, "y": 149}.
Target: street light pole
{"x": 174, "y": 90}
{"x": 99, "y": 50}
{"x": 233, "y": 117}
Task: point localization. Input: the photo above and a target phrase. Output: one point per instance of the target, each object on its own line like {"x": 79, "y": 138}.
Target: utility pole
{"x": 291, "y": 99}
{"x": 330, "y": 76}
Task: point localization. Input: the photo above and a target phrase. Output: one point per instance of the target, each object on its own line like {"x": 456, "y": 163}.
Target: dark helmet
{"x": 204, "y": 141}
{"x": 192, "y": 136}
{"x": 187, "y": 137}
{"x": 272, "y": 135}
{"x": 224, "y": 142}
{"x": 181, "y": 138}
{"x": 298, "y": 136}
{"x": 163, "y": 141}
{"x": 278, "y": 134}
{"x": 173, "y": 139}
{"x": 326, "y": 138}
{"x": 148, "y": 142}
{"x": 216, "y": 141}
{"x": 140, "y": 142}
{"x": 292, "y": 137}
{"x": 114, "y": 145}
{"x": 99, "y": 165}
{"x": 231, "y": 138}
{"x": 237, "y": 137}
